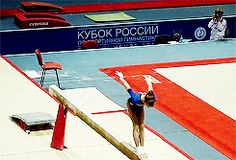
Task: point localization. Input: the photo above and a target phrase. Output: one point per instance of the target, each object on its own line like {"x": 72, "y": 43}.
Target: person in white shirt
{"x": 217, "y": 25}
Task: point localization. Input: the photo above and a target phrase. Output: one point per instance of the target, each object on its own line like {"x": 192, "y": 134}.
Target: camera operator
{"x": 217, "y": 25}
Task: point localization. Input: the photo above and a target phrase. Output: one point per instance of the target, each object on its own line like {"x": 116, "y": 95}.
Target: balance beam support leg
{"x": 59, "y": 129}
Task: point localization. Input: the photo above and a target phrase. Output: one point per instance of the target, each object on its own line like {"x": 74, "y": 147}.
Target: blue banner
{"x": 144, "y": 33}
{"x": 26, "y": 41}
{"x": 120, "y": 35}
{"x": 107, "y": 35}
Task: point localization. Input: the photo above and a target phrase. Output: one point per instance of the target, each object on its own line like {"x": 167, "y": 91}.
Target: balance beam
{"x": 57, "y": 93}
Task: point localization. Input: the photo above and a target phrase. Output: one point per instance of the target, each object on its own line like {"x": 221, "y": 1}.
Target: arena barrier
{"x": 107, "y": 35}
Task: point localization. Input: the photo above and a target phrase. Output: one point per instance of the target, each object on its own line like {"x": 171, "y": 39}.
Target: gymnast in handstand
{"x": 135, "y": 105}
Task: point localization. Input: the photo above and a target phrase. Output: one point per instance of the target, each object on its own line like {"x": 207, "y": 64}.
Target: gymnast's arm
{"x": 124, "y": 82}
{"x": 148, "y": 80}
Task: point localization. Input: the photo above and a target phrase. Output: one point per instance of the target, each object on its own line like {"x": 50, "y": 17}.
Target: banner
{"x": 144, "y": 33}
{"x": 120, "y": 35}
{"x": 107, "y": 35}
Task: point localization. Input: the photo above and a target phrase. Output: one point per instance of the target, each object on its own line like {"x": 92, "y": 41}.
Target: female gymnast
{"x": 135, "y": 105}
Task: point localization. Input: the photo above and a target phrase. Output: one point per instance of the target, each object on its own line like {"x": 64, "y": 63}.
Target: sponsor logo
{"x": 38, "y": 24}
{"x": 200, "y": 33}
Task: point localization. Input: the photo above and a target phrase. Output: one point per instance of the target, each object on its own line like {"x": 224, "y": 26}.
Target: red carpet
{"x": 206, "y": 122}
{"x": 127, "y": 6}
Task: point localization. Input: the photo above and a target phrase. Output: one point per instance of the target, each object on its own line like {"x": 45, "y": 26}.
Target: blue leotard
{"x": 135, "y": 97}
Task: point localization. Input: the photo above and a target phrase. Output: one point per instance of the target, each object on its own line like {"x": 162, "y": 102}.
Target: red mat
{"x": 127, "y": 6}
{"x": 206, "y": 122}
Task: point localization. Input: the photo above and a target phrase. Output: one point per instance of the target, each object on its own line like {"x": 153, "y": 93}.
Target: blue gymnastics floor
{"x": 81, "y": 69}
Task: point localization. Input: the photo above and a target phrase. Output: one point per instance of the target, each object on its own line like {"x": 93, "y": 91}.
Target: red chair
{"x": 47, "y": 66}
{"x": 89, "y": 44}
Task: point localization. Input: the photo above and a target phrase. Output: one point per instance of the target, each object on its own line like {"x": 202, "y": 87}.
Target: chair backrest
{"x": 39, "y": 57}
{"x": 89, "y": 44}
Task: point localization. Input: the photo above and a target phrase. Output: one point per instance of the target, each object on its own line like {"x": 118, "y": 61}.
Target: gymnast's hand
{"x": 119, "y": 74}
{"x": 124, "y": 82}
{"x": 148, "y": 78}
